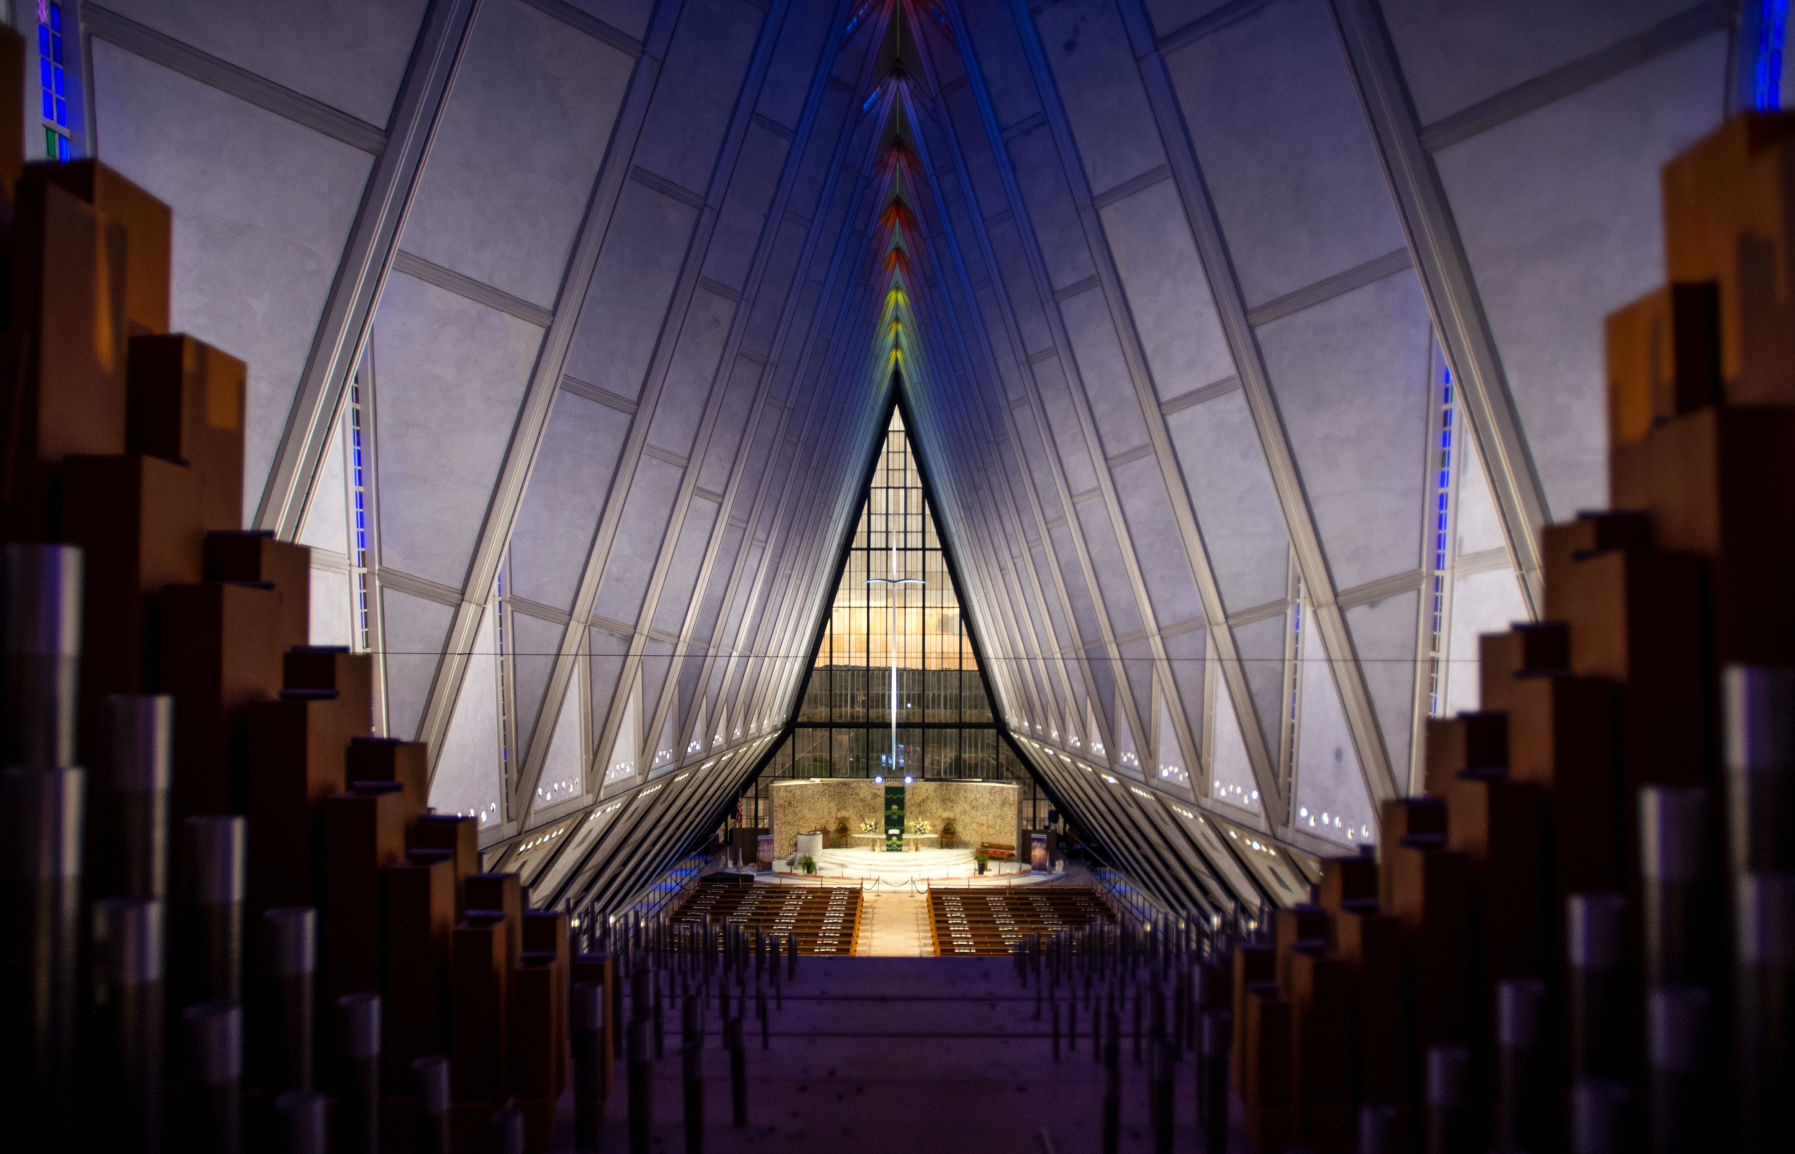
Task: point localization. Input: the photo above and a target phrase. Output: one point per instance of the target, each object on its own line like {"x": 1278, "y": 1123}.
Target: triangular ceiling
{"x": 600, "y": 301}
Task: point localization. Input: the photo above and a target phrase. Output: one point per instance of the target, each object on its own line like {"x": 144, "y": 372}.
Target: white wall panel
{"x": 1108, "y": 385}
{"x": 330, "y": 621}
{"x": 1261, "y": 649}
{"x": 1383, "y": 638}
{"x": 467, "y": 774}
{"x": 568, "y": 488}
{"x": 745, "y": 206}
{"x": 1167, "y": 291}
{"x": 1158, "y": 545}
{"x": 682, "y": 569}
{"x": 1230, "y": 772}
{"x": 563, "y": 774}
{"x": 1230, "y": 489}
{"x": 346, "y": 53}
{"x": 1573, "y": 188}
{"x": 1099, "y": 537}
{"x": 327, "y": 516}
{"x": 412, "y": 633}
{"x": 1475, "y": 521}
{"x": 646, "y": 509}
{"x": 1352, "y": 379}
{"x": 686, "y": 391}
{"x": 513, "y": 157}
{"x": 449, "y": 376}
{"x": 637, "y": 270}
{"x": 697, "y": 88}
{"x": 1481, "y": 603}
{"x": 1455, "y": 54}
{"x": 1328, "y": 784}
{"x": 1056, "y": 402}
{"x": 1051, "y": 214}
{"x": 1284, "y": 148}
{"x": 1094, "y": 71}
{"x": 261, "y": 210}
{"x": 533, "y": 644}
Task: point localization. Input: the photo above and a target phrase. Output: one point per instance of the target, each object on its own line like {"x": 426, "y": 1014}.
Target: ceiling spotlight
{"x": 906, "y": 779}
{"x": 878, "y": 779}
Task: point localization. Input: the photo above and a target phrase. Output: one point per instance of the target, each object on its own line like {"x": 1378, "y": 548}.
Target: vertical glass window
{"x": 894, "y": 687}
{"x": 53, "y": 81}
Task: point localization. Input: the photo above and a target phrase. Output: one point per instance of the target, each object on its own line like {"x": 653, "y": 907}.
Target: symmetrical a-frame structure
{"x": 1249, "y": 344}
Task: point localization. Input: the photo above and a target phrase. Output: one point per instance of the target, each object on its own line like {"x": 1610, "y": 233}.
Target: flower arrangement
{"x": 868, "y": 825}
{"x": 921, "y": 825}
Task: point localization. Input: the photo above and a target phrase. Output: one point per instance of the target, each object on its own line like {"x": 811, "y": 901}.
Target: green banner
{"x": 894, "y": 819}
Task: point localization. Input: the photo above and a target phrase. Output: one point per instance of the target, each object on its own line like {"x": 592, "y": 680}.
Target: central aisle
{"x": 894, "y": 924}
{"x": 897, "y": 1055}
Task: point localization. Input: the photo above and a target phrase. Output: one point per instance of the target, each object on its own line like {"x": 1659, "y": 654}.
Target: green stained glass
{"x": 50, "y": 143}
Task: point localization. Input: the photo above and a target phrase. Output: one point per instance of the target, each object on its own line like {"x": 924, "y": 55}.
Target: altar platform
{"x": 913, "y": 867}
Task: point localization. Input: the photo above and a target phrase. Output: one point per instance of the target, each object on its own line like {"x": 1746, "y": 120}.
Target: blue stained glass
{"x": 62, "y": 112}
{"x": 59, "y": 82}
{"x": 56, "y": 49}
{"x": 43, "y": 39}
{"x": 1767, "y": 76}
{"x": 56, "y": 17}
{"x": 43, "y": 72}
{"x": 62, "y": 148}
{"x": 49, "y": 106}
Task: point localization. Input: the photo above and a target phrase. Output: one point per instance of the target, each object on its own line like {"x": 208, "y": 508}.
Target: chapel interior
{"x": 885, "y": 575}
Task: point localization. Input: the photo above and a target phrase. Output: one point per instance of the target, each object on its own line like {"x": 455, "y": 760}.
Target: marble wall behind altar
{"x": 981, "y": 810}
{"x": 803, "y": 805}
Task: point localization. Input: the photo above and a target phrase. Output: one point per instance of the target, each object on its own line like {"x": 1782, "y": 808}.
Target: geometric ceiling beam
{"x": 1068, "y": 366}
{"x": 787, "y": 622}
{"x": 1451, "y": 292}
{"x": 1159, "y": 442}
{"x": 741, "y": 119}
{"x": 760, "y": 625}
{"x": 636, "y": 440}
{"x": 990, "y": 594}
{"x": 361, "y": 272}
{"x": 975, "y": 432}
{"x": 655, "y": 712}
{"x": 770, "y": 622}
{"x": 1274, "y": 440}
{"x": 1012, "y": 332}
{"x": 539, "y": 393}
{"x": 774, "y": 219}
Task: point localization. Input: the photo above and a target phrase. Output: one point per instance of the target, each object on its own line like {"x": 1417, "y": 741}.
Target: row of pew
{"x": 987, "y": 922}
{"x": 824, "y": 919}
